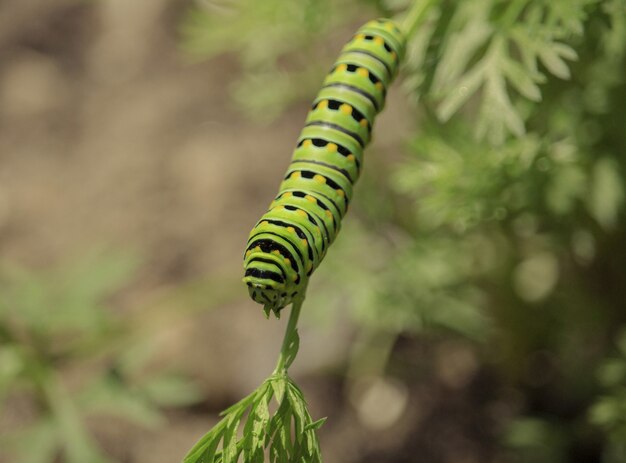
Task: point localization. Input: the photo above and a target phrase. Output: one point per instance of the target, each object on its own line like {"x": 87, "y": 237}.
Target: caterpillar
{"x": 290, "y": 240}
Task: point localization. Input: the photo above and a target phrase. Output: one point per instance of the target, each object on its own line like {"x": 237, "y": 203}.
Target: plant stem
{"x": 287, "y": 353}
{"x": 415, "y": 16}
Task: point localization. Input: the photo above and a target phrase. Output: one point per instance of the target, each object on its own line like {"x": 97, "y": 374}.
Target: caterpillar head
{"x": 266, "y": 285}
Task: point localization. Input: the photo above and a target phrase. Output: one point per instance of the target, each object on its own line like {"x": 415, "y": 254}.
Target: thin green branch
{"x": 290, "y": 345}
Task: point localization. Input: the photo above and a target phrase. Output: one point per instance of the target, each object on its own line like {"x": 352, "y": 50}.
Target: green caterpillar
{"x": 290, "y": 240}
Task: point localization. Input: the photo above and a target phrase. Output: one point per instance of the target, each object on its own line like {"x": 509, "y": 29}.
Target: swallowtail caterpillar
{"x": 290, "y": 240}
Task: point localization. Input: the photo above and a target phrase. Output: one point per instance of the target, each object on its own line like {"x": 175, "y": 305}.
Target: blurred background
{"x": 473, "y": 308}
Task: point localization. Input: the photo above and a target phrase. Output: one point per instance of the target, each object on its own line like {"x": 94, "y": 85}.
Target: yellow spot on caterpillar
{"x": 295, "y": 175}
{"x": 359, "y": 36}
{"x": 342, "y": 68}
{"x": 362, "y": 72}
{"x": 328, "y": 213}
{"x": 301, "y": 213}
{"x": 257, "y": 249}
{"x": 340, "y": 192}
{"x": 389, "y": 26}
{"x": 331, "y": 147}
{"x": 350, "y": 157}
{"x": 248, "y": 252}
{"x": 322, "y": 104}
{"x": 309, "y": 266}
{"x": 291, "y": 229}
{"x": 379, "y": 40}
{"x": 319, "y": 179}
{"x": 294, "y": 277}
{"x": 393, "y": 55}
{"x": 288, "y": 194}
{"x": 310, "y": 199}
{"x": 306, "y": 143}
{"x": 305, "y": 242}
{"x": 287, "y": 261}
{"x": 363, "y": 122}
{"x": 380, "y": 86}
{"x": 346, "y": 109}
{"x": 276, "y": 251}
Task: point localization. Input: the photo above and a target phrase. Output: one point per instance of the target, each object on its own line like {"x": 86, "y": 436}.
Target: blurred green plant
{"x": 536, "y": 440}
{"x": 530, "y": 212}
{"x": 609, "y": 411}
{"x": 277, "y": 43}
{"x": 56, "y": 322}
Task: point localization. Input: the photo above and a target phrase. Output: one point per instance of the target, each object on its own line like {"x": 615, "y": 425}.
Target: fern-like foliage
{"x": 265, "y": 433}
{"x": 497, "y": 51}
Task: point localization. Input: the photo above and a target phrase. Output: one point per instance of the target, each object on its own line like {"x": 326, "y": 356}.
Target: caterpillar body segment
{"x": 290, "y": 240}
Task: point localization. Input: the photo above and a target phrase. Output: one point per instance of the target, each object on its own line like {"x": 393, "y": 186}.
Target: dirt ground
{"x": 108, "y": 136}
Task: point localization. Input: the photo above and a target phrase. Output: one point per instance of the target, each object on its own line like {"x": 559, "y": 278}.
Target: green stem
{"x": 415, "y": 16}
{"x": 290, "y": 341}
